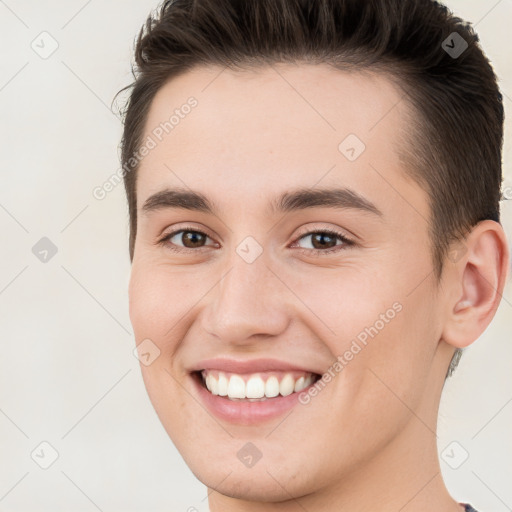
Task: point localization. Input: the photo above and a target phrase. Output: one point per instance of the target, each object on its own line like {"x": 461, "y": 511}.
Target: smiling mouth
{"x": 254, "y": 387}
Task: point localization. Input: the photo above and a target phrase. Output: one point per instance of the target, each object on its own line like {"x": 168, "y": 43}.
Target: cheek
{"x": 348, "y": 304}
{"x": 380, "y": 326}
{"x": 157, "y": 306}
{"x": 159, "y": 300}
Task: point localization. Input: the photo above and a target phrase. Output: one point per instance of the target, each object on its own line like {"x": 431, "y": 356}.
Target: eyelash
{"x": 346, "y": 242}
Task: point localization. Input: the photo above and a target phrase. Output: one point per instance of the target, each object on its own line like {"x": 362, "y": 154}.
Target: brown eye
{"x": 185, "y": 239}
{"x": 192, "y": 239}
{"x": 324, "y": 242}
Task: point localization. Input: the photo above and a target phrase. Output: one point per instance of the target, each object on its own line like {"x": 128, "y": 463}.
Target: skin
{"x": 368, "y": 440}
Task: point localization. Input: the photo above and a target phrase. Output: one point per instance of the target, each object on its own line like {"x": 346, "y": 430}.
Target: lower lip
{"x": 245, "y": 412}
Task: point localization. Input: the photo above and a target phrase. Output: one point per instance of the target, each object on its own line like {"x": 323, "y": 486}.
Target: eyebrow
{"x": 295, "y": 200}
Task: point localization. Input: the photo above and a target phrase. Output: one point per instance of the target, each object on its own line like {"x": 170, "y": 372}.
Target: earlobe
{"x": 478, "y": 280}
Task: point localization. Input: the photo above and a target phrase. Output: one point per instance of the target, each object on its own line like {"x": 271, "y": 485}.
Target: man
{"x": 314, "y": 196}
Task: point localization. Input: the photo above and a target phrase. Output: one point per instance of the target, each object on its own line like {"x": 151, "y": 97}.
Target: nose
{"x": 249, "y": 303}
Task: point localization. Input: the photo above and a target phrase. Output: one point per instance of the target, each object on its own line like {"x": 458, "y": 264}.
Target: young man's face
{"x": 262, "y": 288}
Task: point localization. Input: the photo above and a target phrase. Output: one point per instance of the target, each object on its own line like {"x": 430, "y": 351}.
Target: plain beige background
{"x": 68, "y": 376}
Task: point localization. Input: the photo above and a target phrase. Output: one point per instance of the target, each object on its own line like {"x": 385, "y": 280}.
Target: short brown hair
{"x": 456, "y": 144}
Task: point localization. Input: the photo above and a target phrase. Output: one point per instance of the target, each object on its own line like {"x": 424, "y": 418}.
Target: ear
{"x": 477, "y": 272}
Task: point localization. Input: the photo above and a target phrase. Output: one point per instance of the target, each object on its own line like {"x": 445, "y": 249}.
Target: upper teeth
{"x": 255, "y": 386}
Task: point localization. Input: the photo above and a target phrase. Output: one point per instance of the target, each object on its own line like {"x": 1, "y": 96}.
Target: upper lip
{"x": 247, "y": 366}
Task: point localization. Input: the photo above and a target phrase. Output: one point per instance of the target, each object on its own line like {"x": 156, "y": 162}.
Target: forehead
{"x": 255, "y": 132}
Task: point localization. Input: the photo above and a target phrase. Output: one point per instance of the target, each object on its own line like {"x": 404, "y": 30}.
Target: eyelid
{"x": 315, "y": 228}
{"x": 166, "y": 236}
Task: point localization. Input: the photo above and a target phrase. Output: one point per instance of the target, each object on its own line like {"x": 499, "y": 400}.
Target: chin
{"x": 243, "y": 485}
{"x": 266, "y": 482}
